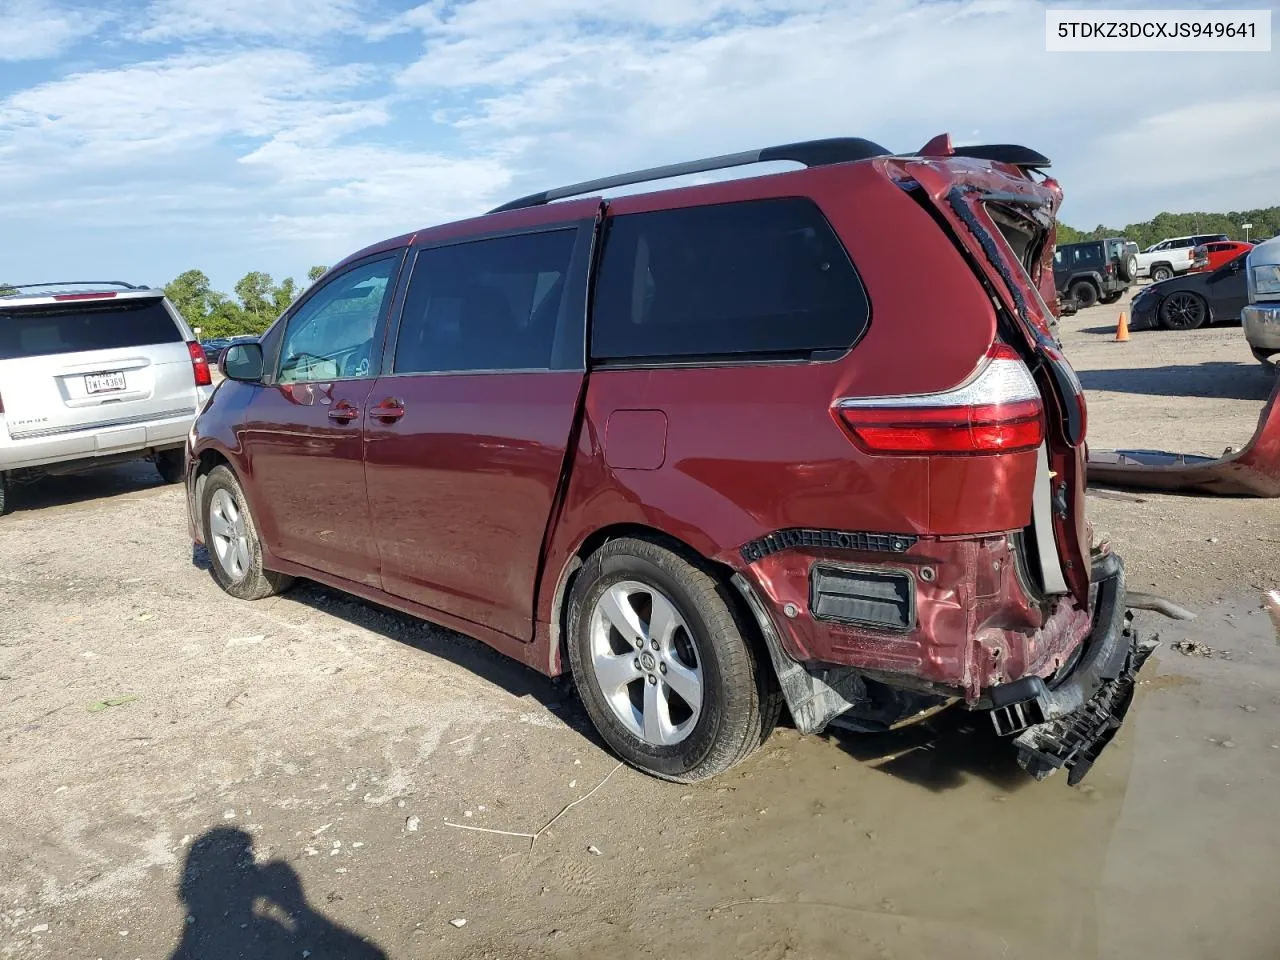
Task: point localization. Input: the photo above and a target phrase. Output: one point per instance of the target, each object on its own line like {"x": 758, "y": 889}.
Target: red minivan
{"x": 802, "y": 440}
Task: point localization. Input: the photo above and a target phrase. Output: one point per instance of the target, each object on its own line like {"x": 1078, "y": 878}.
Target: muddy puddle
{"x": 930, "y": 841}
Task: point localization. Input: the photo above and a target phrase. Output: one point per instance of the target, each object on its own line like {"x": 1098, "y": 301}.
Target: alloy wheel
{"x": 1183, "y": 311}
{"x": 229, "y": 535}
{"x": 643, "y": 657}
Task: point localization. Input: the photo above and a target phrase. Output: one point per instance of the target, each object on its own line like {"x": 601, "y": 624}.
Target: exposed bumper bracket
{"x": 1076, "y": 740}
{"x": 1068, "y": 725}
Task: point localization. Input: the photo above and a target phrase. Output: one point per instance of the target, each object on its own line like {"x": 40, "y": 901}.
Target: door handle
{"x": 343, "y": 412}
{"x": 388, "y": 410}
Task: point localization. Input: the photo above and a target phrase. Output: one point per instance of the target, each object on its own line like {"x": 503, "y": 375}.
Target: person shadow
{"x": 237, "y": 909}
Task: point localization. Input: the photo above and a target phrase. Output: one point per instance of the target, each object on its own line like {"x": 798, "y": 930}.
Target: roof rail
{"x": 73, "y": 283}
{"x": 811, "y": 153}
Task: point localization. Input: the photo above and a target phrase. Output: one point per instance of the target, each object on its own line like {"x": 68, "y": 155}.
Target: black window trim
{"x": 575, "y": 285}
{"x": 748, "y": 359}
{"x": 276, "y": 340}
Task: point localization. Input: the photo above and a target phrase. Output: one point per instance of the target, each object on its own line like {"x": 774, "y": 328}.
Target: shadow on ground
{"x": 100, "y": 484}
{"x": 1219, "y": 380}
{"x": 238, "y": 908}
{"x": 939, "y": 754}
{"x": 514, "y": 677}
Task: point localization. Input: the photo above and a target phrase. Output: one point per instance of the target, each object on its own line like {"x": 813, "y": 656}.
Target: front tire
{"x": 231, "y": 536}
{"x": 1183, "y": 310}
{"x": 662, "y": 661}
{"x": 1084, "y": 293}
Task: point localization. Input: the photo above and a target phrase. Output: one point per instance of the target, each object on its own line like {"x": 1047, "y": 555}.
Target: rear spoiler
{"x": 1013, "y": 154}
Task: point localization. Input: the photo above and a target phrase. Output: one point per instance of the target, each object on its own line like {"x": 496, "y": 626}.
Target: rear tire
{"x": 663, "y": 664}
{"x": 231, "y": 536}
{"x": 1084, "y": 293}
{"x": 4, "y": 494}
{"x": 1161, "y": 272}
{"x": 171, "y": 465}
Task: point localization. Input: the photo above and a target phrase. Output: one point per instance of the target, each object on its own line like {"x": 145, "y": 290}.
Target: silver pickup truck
{"x": 91, "y": 374}
{"x": 1261, "y": 317}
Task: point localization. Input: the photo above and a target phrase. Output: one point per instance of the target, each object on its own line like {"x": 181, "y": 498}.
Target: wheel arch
{"x": 722, "y": 572}
{"x": 1089, "y": 278}
{"x": 205, "y": 462}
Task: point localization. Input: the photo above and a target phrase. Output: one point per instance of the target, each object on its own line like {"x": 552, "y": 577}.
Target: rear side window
{"x": 498, "y": 304}
{"x": 1089, "y": 255}
{"x": 762, "y": 278}
{"x": 76, "y": 327}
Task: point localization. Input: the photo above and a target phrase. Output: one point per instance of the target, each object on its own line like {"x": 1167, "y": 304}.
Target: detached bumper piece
{"x": 1076, "y": 740}
{"x": 1068, "y": 724}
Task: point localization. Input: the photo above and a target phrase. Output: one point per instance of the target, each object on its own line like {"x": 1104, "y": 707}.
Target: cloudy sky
{"x": 139, "y": 138}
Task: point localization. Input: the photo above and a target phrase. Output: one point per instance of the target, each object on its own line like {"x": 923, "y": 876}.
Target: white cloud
{"x": 603, "y": 85}
{"x": 144, "y": 113}
{"x": 274, "y": 19}
{"x": 253, "y": 141}
{"x": 37, "y": 30}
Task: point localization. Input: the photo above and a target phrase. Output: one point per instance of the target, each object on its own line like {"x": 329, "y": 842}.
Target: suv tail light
{"x": 998, "y": 410}
{"x": 199, "y": 365}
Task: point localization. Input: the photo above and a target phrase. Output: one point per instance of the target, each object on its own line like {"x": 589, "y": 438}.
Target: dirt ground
{"x": 186, "y": 775}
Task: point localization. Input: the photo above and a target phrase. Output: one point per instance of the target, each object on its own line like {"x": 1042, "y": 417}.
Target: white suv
{"x": 91, "y": 374}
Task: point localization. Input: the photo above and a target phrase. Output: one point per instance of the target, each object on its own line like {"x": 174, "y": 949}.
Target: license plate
{"x": 104, "y": 382}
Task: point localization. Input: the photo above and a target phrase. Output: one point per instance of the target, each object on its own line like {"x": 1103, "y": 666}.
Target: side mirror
{"x": 242, "y": 361}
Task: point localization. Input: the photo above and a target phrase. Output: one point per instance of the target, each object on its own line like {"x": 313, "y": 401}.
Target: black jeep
{"x": 1095, "y": 271}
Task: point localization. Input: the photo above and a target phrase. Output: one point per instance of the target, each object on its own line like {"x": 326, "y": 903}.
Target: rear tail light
{"x": 1111, "y": 269}
{"x": 998, "y": 410}
{"x": 199, "y": 365}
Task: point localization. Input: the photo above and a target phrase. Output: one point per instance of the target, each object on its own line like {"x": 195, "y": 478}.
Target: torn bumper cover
{"x": 1067, "y": 723}
{"x": 1251, "y": 472}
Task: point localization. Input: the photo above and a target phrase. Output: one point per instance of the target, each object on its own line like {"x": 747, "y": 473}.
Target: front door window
{"x": 331, "y": 336}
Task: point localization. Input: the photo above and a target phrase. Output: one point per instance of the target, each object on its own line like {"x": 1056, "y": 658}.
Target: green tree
{"x": 191, "y": 293}
{"x": 315, "y": 273}
{"x": 283, "y": 295}
{"x": 256, "y": 291}
{"x": 1265, "y": 220}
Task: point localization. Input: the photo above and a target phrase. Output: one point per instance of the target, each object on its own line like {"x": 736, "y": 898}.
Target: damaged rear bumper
{"x": 1065, "y": 724}
{"x": 1253, "y": 471}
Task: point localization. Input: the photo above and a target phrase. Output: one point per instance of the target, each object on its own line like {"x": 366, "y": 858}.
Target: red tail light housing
{"x": 998, "y": 410}
{"x": 199, "y": 364}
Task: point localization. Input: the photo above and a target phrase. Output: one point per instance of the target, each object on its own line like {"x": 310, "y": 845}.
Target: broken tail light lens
{"x": 998, "y": 410}
{"x": 199, "y": 365}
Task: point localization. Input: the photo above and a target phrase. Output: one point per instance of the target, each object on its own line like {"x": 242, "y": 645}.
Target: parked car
{"x": 1210, "y": 256}
{"x": 1093, "y": 271}
{"x": 213, "y": 349}
{"x": 712, "y": 450}
{"x": 1162, "y": 260}
{"x": 1261, "y": 316}
{"x": 92, "y": 374}
{"x": 1192, "y": 300}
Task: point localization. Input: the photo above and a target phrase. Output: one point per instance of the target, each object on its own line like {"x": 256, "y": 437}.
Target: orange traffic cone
{"x": 1122, "y": 328}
